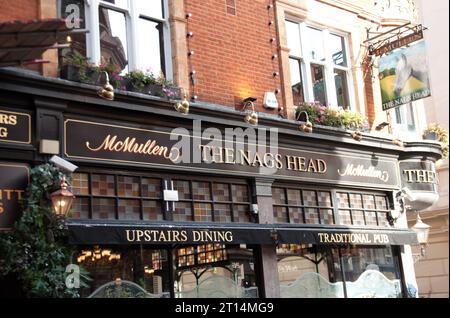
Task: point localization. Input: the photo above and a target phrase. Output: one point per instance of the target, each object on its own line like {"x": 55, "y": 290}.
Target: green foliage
{"x": 334, "y": 117}
{"x": 442, "y": 137}
{"x": 84, "y": 65}
{"x": 36, "y": 251}
{"x": 139, "y": 79}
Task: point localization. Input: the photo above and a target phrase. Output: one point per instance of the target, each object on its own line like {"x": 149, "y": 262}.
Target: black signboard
{"x": 15, "y": 127}
{"x": 14, "y": 179}
{"x": 182, "y": 233}
{"x": 95, "y": 141}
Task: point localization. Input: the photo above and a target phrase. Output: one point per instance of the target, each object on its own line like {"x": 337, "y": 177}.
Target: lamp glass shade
{"x": 422, "y": 230}
{"x": 62, "y": 200}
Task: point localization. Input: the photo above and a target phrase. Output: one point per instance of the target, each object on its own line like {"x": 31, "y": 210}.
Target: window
{"x": 200, "y": 254}
{"x": 212, "y": 201}
{"x": 404, "y": 123}
{"x": 318, "y": 64}
{"x": 308, "y": 206}
{"x": 134, "y": 197}
{"x": 317, "y": 271}
{"x": 129, "y": 34}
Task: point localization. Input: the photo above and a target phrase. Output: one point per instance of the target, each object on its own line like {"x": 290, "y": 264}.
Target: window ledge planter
{"x": 430, "y": 136}
{"x": 75, "y": 73}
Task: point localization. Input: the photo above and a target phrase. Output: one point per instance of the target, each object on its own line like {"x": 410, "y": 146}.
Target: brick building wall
{"x": 18, "y": 9}
{"x": 232, "y": 50}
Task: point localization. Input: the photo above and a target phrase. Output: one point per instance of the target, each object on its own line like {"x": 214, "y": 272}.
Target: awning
{"x": 137, "y": 232}
{"x": 23, "y": 42}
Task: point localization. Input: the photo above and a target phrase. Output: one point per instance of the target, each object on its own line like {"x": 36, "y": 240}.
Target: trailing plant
{"x": 36, "y": 250}
{"x": 334, "y": 117}
{"x": 441, "y": 135}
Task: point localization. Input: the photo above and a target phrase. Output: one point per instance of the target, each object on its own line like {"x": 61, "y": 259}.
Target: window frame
{"x": 132, "y": 16}
{"x": 329, "y": 66}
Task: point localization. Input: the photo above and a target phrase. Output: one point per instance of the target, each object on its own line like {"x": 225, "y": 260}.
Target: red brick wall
{"x": 232, "y": 53}
{"x": 18, "y": 9}
{"x": 368, "y": 88}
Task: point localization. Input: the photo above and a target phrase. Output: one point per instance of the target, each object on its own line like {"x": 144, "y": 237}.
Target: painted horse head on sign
{"x": 410, "y": 66}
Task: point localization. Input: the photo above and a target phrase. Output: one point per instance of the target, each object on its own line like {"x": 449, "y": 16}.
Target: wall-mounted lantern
{"x": 306, "y": 126}
{"x": 62, "y": 199}
{"x": 107, "y": 91}
{"x": 422, "y": 230}
{"x": 183, "y": 106}
{"x": 252, "y": 117}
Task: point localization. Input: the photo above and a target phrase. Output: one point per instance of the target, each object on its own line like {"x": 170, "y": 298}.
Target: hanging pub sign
{"x": 416, "y": 35}
{"x": 404, "y": 76}
{"x": 93, "y": 141}
{"x": 15, "y": 127}
{"x": 14, "y": 179}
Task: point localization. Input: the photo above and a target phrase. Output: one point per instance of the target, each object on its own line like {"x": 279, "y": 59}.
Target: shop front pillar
{"x": 268, "y": 256}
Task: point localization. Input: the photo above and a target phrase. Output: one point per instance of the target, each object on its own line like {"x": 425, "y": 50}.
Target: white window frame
{"x": 132, "y": 16}
{"x": 329, "y": 66}
{"x": 401, "y": 129}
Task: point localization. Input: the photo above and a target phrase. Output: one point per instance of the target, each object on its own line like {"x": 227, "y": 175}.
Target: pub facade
{"x": 205, "y": 204}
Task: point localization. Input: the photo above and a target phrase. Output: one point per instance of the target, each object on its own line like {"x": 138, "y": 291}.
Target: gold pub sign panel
{"x": 15, "y": 127}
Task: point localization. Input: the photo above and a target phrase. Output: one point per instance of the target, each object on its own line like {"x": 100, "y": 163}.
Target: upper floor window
{"x": 129, "y": 34}
{"x": 404, "y": 122}
{"x": 319, "y": 66}
{"x": 138, "y": 197}
{"x": 298, "y": 205}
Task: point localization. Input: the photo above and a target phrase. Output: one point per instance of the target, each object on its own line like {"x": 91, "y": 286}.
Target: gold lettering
{"x": 430, "y": 176}
{"x": 312, "y": 166}
{"x": 257, "y": 159}
{"x": 129, "y": 238}
{"x": 8, "y": 119}
{"x": 106, "y": 145}
{"x": 3, "y": 132}
{"x": 217, "y": 155}
{"x": 207, "y": 237}
{"x": 8, "y": 193}
{"x": 4, "y": 119}
{"x": 269, "y": 160}
{"x": 279, "y": 163}
{"x": 205, "y": 150}
{"x": 229, "y": 156}
{"x": 139, "y": 234}
{"x": 302, "y": 163}
{"x": 183, "y": 236}
{"x": 321, "y": 166}
{"x": 421, "y": 176}
{"x": 229, "y": 236}
{"x": 196, "y": 236}
{"x": 162, "y": 237}
{"x": 244, "y": 156}
{"x": 321, "y": 237}
{"x": 291, "y": 163}
{"x": 409, "y": 175}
